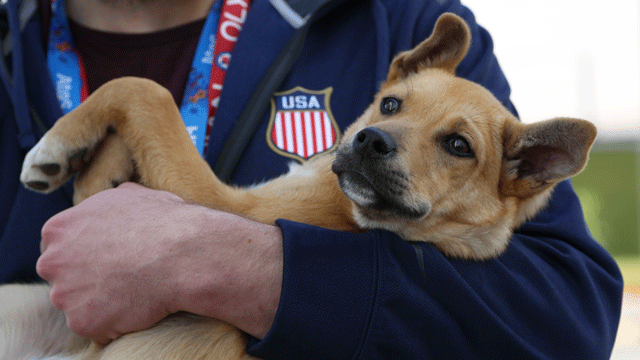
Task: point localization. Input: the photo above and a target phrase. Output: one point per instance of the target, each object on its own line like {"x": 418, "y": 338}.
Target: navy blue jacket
{"x": 554, "y": 294}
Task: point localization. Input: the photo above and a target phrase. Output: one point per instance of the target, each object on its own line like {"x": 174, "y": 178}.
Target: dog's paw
{"x": 50, "y": 164}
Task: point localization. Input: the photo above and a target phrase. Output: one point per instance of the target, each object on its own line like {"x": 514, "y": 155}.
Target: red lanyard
{"x": 234, "y": 13}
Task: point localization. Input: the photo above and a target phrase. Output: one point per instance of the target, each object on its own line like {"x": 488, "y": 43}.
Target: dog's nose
{"x": 374, "y": 142}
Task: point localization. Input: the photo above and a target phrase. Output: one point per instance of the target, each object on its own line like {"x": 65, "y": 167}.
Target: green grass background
{"x": 630, "y": 267}
{"x": 609, "y": 190}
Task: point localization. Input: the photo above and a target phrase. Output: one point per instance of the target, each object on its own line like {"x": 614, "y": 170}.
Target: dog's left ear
{"x": 539, "y": 155}
{"x": 445, "y": 48}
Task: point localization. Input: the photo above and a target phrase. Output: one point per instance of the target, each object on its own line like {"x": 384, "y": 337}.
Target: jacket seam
{"x": 374, "y": 302}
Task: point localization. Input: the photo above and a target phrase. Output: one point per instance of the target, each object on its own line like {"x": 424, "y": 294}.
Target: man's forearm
{"x": 243, "y": 286}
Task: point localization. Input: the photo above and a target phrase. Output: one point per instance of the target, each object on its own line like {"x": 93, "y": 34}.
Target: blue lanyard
{"x": 66, "y": 69}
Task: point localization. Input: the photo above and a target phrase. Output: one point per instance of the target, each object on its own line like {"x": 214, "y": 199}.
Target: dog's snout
{"x": 374, "y": 142}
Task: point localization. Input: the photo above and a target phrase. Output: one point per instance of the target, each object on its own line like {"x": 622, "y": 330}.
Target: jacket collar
{"x": 26, "y": 10}
{"x": 298, "y": 12}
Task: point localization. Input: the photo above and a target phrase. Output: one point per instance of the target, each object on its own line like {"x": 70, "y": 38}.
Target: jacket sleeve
{"x": 555, "y": 293}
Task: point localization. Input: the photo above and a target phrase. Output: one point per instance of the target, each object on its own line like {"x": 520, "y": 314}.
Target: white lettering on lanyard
{"x": 238, "y": 2}
{"x": 234, "y": 22}
{"x": 216, "y": 100}
{"x": 208, "y": 55}
{"x": 63, "y": 87}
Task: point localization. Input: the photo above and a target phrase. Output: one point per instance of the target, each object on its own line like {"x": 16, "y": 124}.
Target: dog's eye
{"x": 458, "y": 146}
{"x": 390, "y": 105}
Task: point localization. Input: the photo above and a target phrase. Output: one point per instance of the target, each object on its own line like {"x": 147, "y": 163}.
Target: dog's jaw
{"x": 378, "y": 192}
{"x": 360, "y": 195}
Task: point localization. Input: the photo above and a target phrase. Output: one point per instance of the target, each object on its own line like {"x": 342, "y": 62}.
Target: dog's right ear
{"x": 444, "y": 49}
{"x": 539, "y": 155}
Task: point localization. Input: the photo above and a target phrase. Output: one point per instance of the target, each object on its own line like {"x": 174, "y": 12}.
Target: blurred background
{"x": 582, "y": 59}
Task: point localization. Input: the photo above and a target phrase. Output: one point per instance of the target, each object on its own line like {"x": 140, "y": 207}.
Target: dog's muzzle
{"x": 368, "y": 174}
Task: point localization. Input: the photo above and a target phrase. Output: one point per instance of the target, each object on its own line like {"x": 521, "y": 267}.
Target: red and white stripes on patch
{"x": 304, "y": 133}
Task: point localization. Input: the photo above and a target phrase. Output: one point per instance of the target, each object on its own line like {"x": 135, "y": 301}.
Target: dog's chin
{"x": 375, "y": 205}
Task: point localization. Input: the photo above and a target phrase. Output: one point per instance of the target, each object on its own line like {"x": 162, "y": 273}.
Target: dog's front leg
{"x": 125, "y": 119}
{"x": 110, "y": 166}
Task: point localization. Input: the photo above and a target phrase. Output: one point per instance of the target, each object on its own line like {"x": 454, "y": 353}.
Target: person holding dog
{"x": 126, "y": 258}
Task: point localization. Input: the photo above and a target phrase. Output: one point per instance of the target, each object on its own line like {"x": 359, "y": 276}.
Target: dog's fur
{"x": 435, "y": 158}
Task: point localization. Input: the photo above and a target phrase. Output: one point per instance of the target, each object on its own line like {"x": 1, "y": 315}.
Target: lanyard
{"x": 205, "y": 79}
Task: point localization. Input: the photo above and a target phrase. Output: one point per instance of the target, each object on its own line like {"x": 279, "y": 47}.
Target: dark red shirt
{"x": 164, "y": 56}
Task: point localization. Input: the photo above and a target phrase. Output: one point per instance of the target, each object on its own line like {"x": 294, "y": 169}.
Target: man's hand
{"x": 125, "y": 258}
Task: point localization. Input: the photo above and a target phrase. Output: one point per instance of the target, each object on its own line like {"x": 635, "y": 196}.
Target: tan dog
{"x": 435, "y": 158}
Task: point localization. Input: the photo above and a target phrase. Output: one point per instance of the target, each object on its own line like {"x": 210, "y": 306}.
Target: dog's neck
{"x": 136, "y": 16}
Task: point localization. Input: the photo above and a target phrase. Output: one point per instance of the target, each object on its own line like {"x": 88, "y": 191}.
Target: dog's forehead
{"x": 433, "y": 86}
{"x": 437, "y": 96}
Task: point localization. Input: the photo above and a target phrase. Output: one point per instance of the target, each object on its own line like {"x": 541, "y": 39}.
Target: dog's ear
{"x": 445, "y": 48}
{"x": 539, "y": 155}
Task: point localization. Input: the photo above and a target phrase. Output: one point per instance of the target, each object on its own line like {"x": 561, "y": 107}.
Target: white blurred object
{"x": 569, "y": 58}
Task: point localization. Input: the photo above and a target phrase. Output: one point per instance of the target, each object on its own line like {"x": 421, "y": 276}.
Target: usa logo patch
{"x": 301, "y": 123}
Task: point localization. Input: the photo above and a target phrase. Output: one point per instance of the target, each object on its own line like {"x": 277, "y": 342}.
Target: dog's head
{"x": 438, "y": 158}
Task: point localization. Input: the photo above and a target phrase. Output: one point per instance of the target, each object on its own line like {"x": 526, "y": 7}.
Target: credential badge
{"x": 301, "y": 123}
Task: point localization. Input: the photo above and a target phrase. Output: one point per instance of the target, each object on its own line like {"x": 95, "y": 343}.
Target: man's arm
{"x": 172, "y": 257}
{"x": 553, "y": 294}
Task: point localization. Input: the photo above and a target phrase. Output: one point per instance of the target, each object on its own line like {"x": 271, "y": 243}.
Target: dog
{"x": 435, "y": 158}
